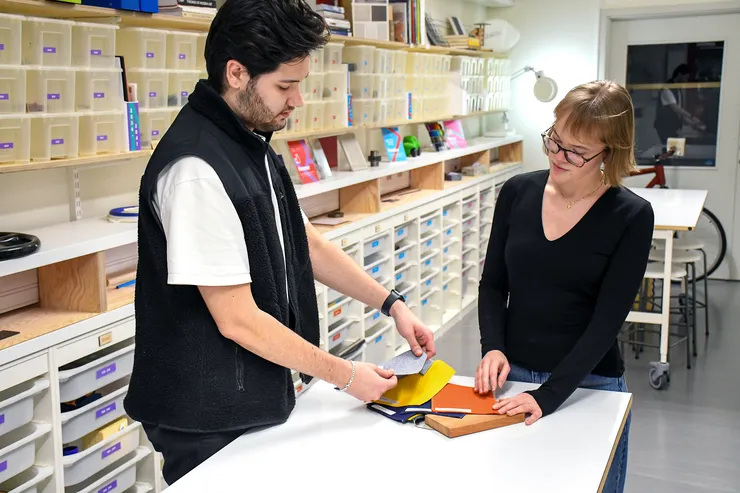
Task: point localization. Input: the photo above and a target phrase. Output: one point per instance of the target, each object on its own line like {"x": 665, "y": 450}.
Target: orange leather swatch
{"x": 460, "y": 399}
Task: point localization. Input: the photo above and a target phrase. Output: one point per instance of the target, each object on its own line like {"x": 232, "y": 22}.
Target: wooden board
{"x": 77, "y": 284}
{"x": 472, "y": 423}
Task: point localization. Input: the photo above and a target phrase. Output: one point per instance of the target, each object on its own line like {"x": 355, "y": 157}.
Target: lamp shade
{"x": 545, "y": 88}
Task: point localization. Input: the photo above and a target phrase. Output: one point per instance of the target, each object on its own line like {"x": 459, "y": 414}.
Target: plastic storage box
{"x": 18, "y": 449}
{"x": 99, "y": 90}
{"x": 314, "y": 87}
{"x": 333, "y": 57}
{"x": 316, "y": 61}
{"x": 363, "y": 57}
{"x": 315, "y": 115}
{"x": 54, "y": 136}
{"x": 83, "y": 465}
{"x": 151, "y": 87}
{"x": 47, "y": 42}
{"x": 94, "y": 45}
{"x": 10, "y": 39}
{"x": 378, "y": 343}
{"x": 16, "y": 409}
{"x": 102, "y": 133}
{"x": 80, "y": 422}
{"x": 335, "y": 85}
{"x": 28, "y": 481}
{"x": 12, "y": 89}
{"x": 179, "y": 86}
{"x": 15, "y": 138}
{"x": 297, "y": 121}
{"x": 142, "y": 47}
{"x": 50, "y": 90}
{"x": 103, "y": 368}
{"x": 335, "y": 114}
{"x": 182, "y": 50}
{"x": 154, "y": 123}
{"x": 116, "y": 481}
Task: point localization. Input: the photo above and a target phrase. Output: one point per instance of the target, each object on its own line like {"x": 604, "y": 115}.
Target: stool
{"x": 689, "y": 258}
{"x": 684, "y": 243}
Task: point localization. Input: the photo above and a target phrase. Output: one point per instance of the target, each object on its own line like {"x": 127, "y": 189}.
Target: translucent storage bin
{"x": 297, "y": 121}
{"x": 372, "y": 317}
{"x": 401, "y": 233}
{"x": 398, "y": 110}
{"x": 95, "y": 372}
{"x": 428, "y": 245}
{"x": 314, "y": 90}
{"x": 384, "y": 61}
{"x": 154, "y": 123}
{"x": 316, "y": 61}
{"x": 83, "y": 465}
{"x": 404, "y": 256}
{"x": 365, "y": 111}
{"x": 428, "y": 224}
{"x": 15, "y": 139}
{"x": 99, "y": 90}
{"x": 404, "y": 275}
{"x": 335, "y": 114}
{"x": 80, "y": 422}
{"x": 397, "y": 86}
{"x": 429, "y": 263}
{"x": 315, "y": 115}
{"x": 335, "y": 86}
{"x": 333, "y": 57}
{"x": 28, "y": 481}
{"x": 18, "y": 449}
{"x": 182, "y": 50}
{"x": 50, "y": 90}
{"x": 116, "y": 481}
{"x": 340, "y": 311}
{"x": 16, "y": 408}
{"x": 54, "y": 136}
{"x": 374, "y": 245}
{"x": 200, "y": 58}
{"x": 378, "y": 343}
{"x": 179, "y": 86}
{"x": 142, "y": 47}
{"x": 10, "y": 39}
{"x": 399, "y": 61}
{"x": 102, "y": 133}
{"x": 94, "y": 45}
{"x": 47, "y": 42}
{"x": 379, "y": 269}
{"x": 415, "y": 63}
{"x": 12, "y": 88}
{"x": 363, "y": 57}
{"x": 151, "y": 87}
{"x": 340, "y": 332}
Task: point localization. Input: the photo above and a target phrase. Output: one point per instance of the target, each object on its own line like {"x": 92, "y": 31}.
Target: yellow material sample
{"x": 103, "y": 433}
{"x": 415, "y": 390}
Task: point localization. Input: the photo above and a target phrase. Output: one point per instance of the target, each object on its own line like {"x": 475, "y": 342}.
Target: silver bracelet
{"x": 351, "y": 379}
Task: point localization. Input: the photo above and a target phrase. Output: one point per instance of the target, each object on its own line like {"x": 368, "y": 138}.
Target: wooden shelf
{"x": 34, "y": 321}
{"x": 349, "y": 40}
{"x": 80, "y": 162}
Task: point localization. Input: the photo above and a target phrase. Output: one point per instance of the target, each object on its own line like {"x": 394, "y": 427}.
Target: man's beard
{"x": 255, "y": 113}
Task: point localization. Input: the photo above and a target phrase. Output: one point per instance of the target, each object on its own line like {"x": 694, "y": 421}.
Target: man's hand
{"x": 371, "y": 382}
{"x": 493, "y": 369}
{"x": 418, "y": 335}
{"x": 523, "y": 403}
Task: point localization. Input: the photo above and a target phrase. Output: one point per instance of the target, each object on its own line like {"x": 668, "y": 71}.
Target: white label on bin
{"x": 96, "y": 52}
{"x": 50, "y": 49}
{"x": 56, "y": 142}
{"x": 105, "y": 371}
{"x": 106, "y": 410}
{"x": 53, "y": 96}
{"x": 6, "y": 145}
{"x": 152, "y": 94}
{"x": 3, "y": 465}
{"x": 181, "y": 56}
{"x": 98, "y": 95}
{"x": 112, "y": 450}
{"x": 110, "y": 487}
{"x": 4, "y": 97}
{"x": 149, "y": 54}
{"x": 184, "y": 94}
{"x": 102, "y": 138}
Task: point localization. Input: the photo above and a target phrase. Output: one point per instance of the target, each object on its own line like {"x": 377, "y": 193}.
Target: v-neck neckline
{"x": 583, "y": 218}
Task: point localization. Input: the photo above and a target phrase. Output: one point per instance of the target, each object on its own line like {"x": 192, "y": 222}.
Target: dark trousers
{"x": 184, "y": 451}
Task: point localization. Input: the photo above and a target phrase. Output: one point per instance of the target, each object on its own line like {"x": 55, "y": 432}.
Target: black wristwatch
{"x": 392, "y": 298}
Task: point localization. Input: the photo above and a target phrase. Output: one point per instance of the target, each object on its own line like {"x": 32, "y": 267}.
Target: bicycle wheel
{"x": 710, "y": 234}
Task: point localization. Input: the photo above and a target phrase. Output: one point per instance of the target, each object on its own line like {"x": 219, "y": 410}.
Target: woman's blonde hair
{"x": 603, "y": 110}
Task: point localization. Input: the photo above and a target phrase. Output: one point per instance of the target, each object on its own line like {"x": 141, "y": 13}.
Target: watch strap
{"x": 392, "y": 298}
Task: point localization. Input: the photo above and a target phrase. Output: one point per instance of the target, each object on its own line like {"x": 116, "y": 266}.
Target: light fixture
{"x": 545, "y": 88}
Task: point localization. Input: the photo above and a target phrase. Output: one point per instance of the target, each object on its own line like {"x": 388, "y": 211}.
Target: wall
{"x": 468, "y": 13}
{"x": 560, "y": 38}
{"x": 623, "y": 4}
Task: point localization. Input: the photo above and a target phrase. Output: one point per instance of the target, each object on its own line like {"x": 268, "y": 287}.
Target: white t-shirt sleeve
{"x": 205, "y": 238}
{"x": 667, "y": 98}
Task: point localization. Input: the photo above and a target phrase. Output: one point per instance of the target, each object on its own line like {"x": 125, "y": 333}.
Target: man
{"x": 225, "y": 296}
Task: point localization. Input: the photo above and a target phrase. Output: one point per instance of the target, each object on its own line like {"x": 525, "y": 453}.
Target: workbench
{"x": 333, "y": 443}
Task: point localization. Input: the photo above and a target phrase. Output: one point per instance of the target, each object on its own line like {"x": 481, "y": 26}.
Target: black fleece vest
{"x": 186, "y": 375}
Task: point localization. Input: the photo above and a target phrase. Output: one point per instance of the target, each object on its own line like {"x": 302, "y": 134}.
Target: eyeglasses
{"x": 572, "y": 157}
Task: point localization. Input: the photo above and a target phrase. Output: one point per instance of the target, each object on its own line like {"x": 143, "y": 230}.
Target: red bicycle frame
{"x": 658, "y": 169}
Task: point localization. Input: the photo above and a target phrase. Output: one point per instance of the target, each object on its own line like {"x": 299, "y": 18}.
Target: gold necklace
{"x": 571, "y": 204}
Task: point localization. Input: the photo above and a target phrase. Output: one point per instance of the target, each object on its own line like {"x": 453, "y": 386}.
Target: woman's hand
{"x": 492, "y": 372}
{"x": 522, "y": 403}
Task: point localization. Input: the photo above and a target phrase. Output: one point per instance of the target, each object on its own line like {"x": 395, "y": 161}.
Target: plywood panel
{"x": 472, "y": 423}
{"x": 317, "y": 205}
{"x": 35, "y": 321}
{"x": 430, "y": 177}
{"x": 19, "y": 290}
{"x": 360, "y": 198}
{"x": 510, "y": 153}
{"x": 77, "y": 284}
{"x": 390, "y": 184}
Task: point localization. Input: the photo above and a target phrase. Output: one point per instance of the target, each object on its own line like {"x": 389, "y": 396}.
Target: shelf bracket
{"x": 75, "y": 203}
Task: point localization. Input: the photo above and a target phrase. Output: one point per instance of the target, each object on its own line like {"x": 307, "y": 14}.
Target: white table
{"x": 333, "y": 443}
{"x": 675, "y": 210}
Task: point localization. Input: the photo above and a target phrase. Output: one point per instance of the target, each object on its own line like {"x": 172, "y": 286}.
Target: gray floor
{"x": 685, "y": 439}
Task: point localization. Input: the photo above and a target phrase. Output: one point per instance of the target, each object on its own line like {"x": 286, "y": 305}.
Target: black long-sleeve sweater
{"x": 557, "y": 306}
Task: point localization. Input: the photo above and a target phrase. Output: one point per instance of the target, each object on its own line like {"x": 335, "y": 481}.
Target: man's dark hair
{"x": 261, "y": 35}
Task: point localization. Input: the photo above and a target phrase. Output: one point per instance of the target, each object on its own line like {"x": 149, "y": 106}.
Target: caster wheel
{"x": 658, "y": 381}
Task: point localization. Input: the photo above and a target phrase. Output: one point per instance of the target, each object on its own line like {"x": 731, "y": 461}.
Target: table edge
{"x": 616, "y": 442}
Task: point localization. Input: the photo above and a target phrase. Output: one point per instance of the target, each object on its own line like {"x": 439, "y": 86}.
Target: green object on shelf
{"x": 411, "y": 146}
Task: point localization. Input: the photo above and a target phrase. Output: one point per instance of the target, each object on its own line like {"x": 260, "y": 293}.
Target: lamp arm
{"x": 522, "y": 71}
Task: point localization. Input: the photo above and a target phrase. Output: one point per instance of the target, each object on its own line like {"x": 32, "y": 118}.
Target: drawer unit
{"x": 487, "y": 197}
{"x": 429, "y": 245}
{"x": 470, "y": 205}
{"x": 106, "y": 409}
{"x": 154, "y": 123}
{"x": 380, "y": 268}
{"x": 116, "y": 481}
{"x": 404, "y": 256}
{"x": 375, "y": 245}
{"x": 345, "y": 308}
{"x": 83, "y": 465}
{"x": 95, "y": 372}
{"x": 372, "y": 317}
{"x": 180, "y": 84}
{"x": 428, "y": 224}
{"x": 469, "y": 239}
{"x": 28, "y": 481}
{"x": 401, "y": 234}
{"x": 428, "y": 283}
{"x": 343, "y": 331}
{"x": 362, "y": 56}
{"x": 429, "y": 263}
{"x": 448, "y": 233}
{"x": 404, "y": 275}
{"x": 449, "y": 251}
{"x": 469, "y": 223}
{"x": 22, "y": 371}
{"x": 18, "y": 449}
{"x": 105, "y": 337}
{"x": 468, "y": 255}
{"x": 379, "y": 343}
{"x": 17, "y": 404}
{"x": 101, "y": 133}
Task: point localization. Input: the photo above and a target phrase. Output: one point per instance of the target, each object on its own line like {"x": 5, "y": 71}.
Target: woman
{"x": 567, "y": 253}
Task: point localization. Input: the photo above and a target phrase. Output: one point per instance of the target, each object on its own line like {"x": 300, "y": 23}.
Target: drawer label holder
{"x": 111, "y": 450}
{"x": 105, "y": 371}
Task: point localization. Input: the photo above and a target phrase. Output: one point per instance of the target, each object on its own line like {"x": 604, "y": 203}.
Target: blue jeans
{"x": 618, "y": 470}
